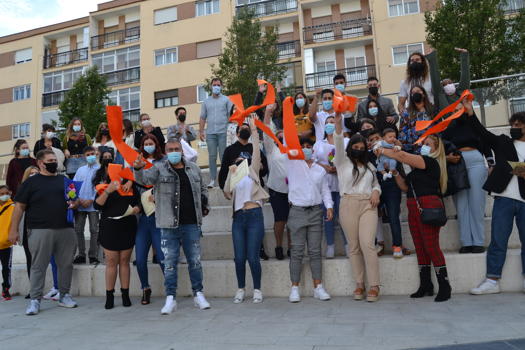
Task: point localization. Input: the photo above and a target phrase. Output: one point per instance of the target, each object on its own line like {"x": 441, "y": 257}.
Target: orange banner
{"x": 240, "y": 113}
{"x": 344, "y": 103}
{"x": 294, "y": 148}
{"x": 116, "y": 173}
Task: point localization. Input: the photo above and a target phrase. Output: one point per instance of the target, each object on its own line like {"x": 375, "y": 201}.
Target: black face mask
{"x": 182, "y": 117}
{"x": 104, "y": 132}
{"x": 416, "y": 67}
{"x": 516, "y": 133}
{"x": 373, "y": 90}
{"x": 106, "y": 162}
{"x": 244, "y": 134}
{"x": 51, "y": 167}
{"x": 366, "y": 132}
{"x": 417, "y": 97}
{"x": 357, "y": 153}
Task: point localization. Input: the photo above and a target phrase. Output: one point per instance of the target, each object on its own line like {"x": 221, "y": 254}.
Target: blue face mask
{"x": 307, "y": 153}
{"x": 91, "y": 159}
{"x": 373, "y": 111}
{"x": 77, "y": 128}
{"x": 300, "y": 102}
{"x": 149, "y": 149}
{"x": 24, "y": 152}
{"x": 340, "y": 87}
{"x": 216, "y": 89}
{"x": 174, "y": 157}
{"x": 425, "y": 150}
{"x": 327, "y": 105}
{"x": 329, "y": 129}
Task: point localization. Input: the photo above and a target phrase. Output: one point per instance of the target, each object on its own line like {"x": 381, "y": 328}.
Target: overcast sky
{"x": 21, "y": 15}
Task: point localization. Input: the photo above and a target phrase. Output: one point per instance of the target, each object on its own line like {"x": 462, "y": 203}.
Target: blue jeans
{"x": 54, "y": 270}
{"x": 248, "y": 234}
{"x": 329, "y": 226}
{"x": 215, "y": 142}
{"x": 147, "y": 235}
{"x": 504, "y": 211}
{"x": 171, "y": 239}
{"x": 391, "y": 198}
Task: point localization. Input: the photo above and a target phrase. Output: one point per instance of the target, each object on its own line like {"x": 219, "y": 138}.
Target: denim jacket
{"x": 167, "y": 193}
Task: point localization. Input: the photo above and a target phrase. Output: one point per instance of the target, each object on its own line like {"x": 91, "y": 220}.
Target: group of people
{"x": 354, "y": 170}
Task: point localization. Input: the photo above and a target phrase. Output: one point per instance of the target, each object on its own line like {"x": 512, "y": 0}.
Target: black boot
{"x": 444, "y": 287}
{"x": 279, "y": 253}
{"x": 262, "y": 254}
{"x": 146, "y": 296}
{"x": 426, "y": 288}
{"x": 126, "y": 301}
{"x": 110, "y": 299}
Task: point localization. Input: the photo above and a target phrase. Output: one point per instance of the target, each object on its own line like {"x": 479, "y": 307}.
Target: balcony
{"x": 124, "y": 76}
{"x": 289, "y": 49}
{"x": 269, "y": 7}
{"x": 354, "y": 76}
{"x": 337, "y": 31}
{"x": 53, "y": 98}
{"x": 120, "y": 37}
{"x": 65, "y": 58}
{"x": 513, "y": 6}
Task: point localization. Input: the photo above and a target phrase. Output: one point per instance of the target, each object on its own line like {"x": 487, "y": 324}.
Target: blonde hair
{"x": 439, "y": 155}
{"x": 27, "y": 172}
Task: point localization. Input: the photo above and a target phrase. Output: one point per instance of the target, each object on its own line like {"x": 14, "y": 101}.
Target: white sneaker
{"x": 330, "y": 251}
{"x": 257, "y": 296}
{"x": 33, "y": 308}
{"x": 53, "y": 293}
{"x": 488, "y": 286}
{"x": 169, "y": 306}
{"x": 320, "y": 293}
{"x": 239, "y": 296}
{"x": 211, "y": 184}
{"x": 67, "y": 301}
{"x": 294, "y": 297}
{"x": 200, "y": 301}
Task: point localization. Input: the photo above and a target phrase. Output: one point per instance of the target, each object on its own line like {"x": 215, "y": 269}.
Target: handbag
{"x": 431, "y": 216}
{"x": 457, "y": 177}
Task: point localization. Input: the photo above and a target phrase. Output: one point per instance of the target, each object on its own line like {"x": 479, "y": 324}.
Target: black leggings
{"x": 5, "y": 259}
{"x": 25, "y": 243}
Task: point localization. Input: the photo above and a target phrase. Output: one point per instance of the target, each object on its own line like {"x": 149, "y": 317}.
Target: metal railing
{"x": 337, "y": 30}
{"x": 53, "y": 98}
{"x": 65, "y": 58}
{"x": 354, "y": 76}
{"x": 120, "y": 37}
{"x": 124, "y": 76}
{"x": 289, "y": 49}
{"x": 269, "y": 7}
{"x": 513, "y": 6}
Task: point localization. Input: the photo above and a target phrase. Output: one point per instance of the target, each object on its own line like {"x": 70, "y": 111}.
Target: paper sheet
{"x": 239, "y": 174}
{"x": 128, "y": 212}
{"x": 147, "y": 205}
{"x": 515, "y": 165}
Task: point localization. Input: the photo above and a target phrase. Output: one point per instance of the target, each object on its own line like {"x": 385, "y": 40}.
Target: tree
{"x": 250, "y": 53}
{"x": 490, "y": 36}
{"x": 86, "y": 100}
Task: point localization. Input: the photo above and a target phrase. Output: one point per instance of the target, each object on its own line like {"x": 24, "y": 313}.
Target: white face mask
{"x": 146, "y": 122}
{"x": 5, "y": 198}
{"x": 450, "y": 89}
{"x": 50, "y": 134}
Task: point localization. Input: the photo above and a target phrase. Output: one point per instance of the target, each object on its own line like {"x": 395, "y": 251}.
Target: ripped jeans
{"x": 171, "y": 239}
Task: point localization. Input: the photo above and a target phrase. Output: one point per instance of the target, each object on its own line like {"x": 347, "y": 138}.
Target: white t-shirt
{"x": 404, "y": 90}
{"x": 243, "y": 193}
{"x": 319, "y": 123}
{"x": 324, "y": 153}
{"x": 513, "y": 189}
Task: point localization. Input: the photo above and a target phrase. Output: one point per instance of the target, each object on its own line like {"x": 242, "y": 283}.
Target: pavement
{"x": 395, "y": 322}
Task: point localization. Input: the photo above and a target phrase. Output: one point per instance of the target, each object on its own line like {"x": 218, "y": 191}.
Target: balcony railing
{"x": 125, "y": 76}
{"x": 270, "y": 7}
{"x": 53, "y": 98}
{"x": 513, "y": 6}
{"x": 65, "y": 58}
{"x": 337, "y": 31}
{"x": 120, "y": 37}
{"x": 354, "y": 76}
{"x": 132, "y": 114}
{"x": 289, "y": 49}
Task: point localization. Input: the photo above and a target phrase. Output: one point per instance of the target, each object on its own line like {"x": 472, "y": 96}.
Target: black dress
{"x": 117, "y": 234}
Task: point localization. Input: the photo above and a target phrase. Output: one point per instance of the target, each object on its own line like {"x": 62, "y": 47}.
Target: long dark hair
{"x": 412, "y": 108}
{"x": 158, "y": 154}
{"x": 416, "y": 79}
{"x": 297, "y": 110}
{"x": 380, "y": 112}
{"x": 101, "y": 176}
{"x": 128, "y": 126}
{"x": 16, "y": 147}
{"x": 357, "y": 138}
{"x": 98, "y": 136}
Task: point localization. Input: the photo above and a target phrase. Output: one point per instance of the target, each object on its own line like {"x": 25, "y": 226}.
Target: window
{"x": 323, "y": 36}
{"x": 209, "y": 48}
{"x": 208, "y": 7}
{"x": 117, "y": 60}
{"x": 61, "y": 80}
{"x": 166, "y": 56}
{"x": 167, "y": 98}
{"x": 22, "y": 56}
{"x": 202, "y": 94}
{"x": 21, "y": 130}
{"x": 22, "y": 92}
{"x": 166, "y": 15}
{"x": 356, "y": 70}
{"x": 288, "y": 79}
{"x": 400, "y": 53}
{"x": 326, "y": 72}
{"x": 402, "y": 7}
{"x": 129, "y": 100}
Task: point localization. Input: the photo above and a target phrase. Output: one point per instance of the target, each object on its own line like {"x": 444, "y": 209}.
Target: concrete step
{"x": 398, "y": 277}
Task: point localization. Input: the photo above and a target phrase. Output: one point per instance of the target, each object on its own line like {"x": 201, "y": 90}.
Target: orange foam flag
{"x": 344, "y": 103}
{"x": 269, "y": 132}
{"x": 294, "y": 149}
{"x": 423, "y": 124}
{"x": 240, "y": 113}
{"x": 117, "y": 173}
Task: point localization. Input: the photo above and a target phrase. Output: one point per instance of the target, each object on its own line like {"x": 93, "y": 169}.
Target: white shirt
{"x": 307, "y": 186}
{"x": 319, "y": 123}
{"x": 324, "y": 154}
{"x": 404, "y": 90}
{"x": 513, "y": 189}
{"x": 276, "y": 165}
{"x": 243, "y": 193}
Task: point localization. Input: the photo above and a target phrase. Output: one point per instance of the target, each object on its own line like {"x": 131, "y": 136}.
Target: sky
{"x": 21, "y": 15}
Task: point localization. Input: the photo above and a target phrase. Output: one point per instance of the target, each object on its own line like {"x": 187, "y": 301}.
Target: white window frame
{"x": 403, "y": 8}
{"x": 76, "y": 73}
{"x": 361, "y": 73}
{"x": 22, "y": 92}
{"x": 208, "y": 5}
{"x": 164, "y": 54}
{"x": 121, "y": 92}
{"x": 408, "y": 52}
{"x": 20, "y": 131}
{"x": 167, "y": 21}
{"x": 206, "y": 92}
{"x": 30, "y": 50}
{"x": 173, "y": 101}
{"x": 114, "y": 54}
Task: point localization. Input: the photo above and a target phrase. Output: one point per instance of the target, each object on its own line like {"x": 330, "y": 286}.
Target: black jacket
{"x": 504, "y": 151}
{"x": 139, "y": 134}
{"x": 231, "y": 153}
{"x": 39, "y": 145}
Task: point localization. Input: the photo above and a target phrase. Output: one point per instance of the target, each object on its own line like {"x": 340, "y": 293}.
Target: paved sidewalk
{"x": 392, "y": 323}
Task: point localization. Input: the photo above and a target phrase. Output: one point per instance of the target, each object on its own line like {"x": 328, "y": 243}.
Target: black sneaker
{"x": 5, "y": 293}
{"x": 154, "y": 260}
{"x": 79, "y": 260}
{"x": 28, "y": 296}
{"x": 476, "y": 249}
{"x": 279, "y": 253}
{"x": 262, "y": 254}
{"x": 94, "y": 261}
{"x": 465, "y": 250}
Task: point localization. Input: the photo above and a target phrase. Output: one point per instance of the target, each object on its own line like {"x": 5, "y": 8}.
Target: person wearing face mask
{"x": 301, "y": 109}
{"x": 86, "y": 210}
{"x": 375, "y": 112}
{"x": 215, "y": 112}
{"x": 41, "y": 197}
{"x": 49, "y": 132}
{"x": 507, "y": 185}
{"x": 419, "y": 108}
{"x": 384, "y": 106}
{"x": 148, "y": 128}
{"x": 181, "y": 130}
{"x": 349, "y": 122}
{"x": 181, "y": 202}
{"x": 17, "y": 165}
{"x": 319, "y": 118}
{"x": 6, "y": 251}
{"x": 307, "y": 190}
{"x": 324, "y": 151}
{"x": 417, "y": 74}
{"x": 360, "y": 192}
{"x": 424, "y": 187}
{"x": 103, "y": 139}
{"x": 74, "y": 141}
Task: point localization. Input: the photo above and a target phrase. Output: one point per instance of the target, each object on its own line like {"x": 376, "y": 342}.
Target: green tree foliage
{"x": 86, "y": 100}
{"x": 250, "y": 53}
